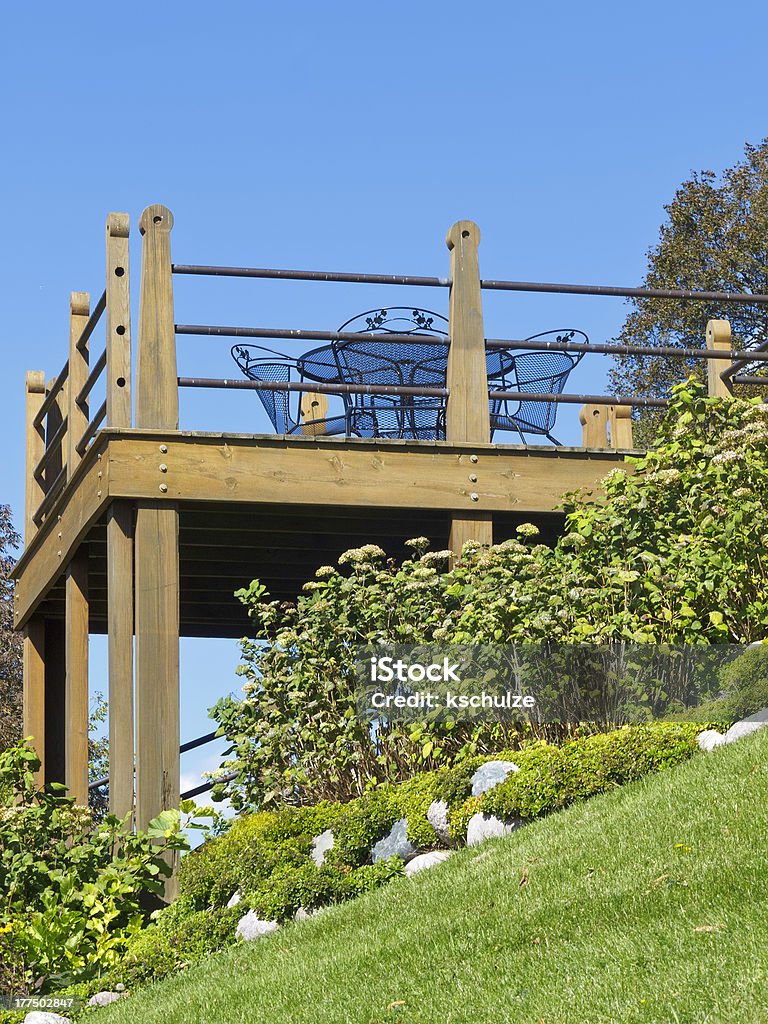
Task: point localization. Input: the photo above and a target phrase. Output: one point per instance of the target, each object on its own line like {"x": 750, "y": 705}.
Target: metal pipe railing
{"x": 681, "y": 294}
{"x": 312, "y": 387}
{"x": 302, "y": 335}
{"x": 50, "y": 398}
{"x": 93, "y": 426}
{"x": 310, "y": 275}
{"x": 635, "y": 401}
{"x": 98, "y": 368}
{"x": 90, "y": 325}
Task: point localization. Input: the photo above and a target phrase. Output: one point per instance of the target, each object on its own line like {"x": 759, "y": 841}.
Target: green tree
{"x": 715, "y": 238}
{"x": 11, "y": 644}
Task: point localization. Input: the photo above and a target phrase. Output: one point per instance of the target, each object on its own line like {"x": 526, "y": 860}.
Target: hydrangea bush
{"x": 670, "y": 551}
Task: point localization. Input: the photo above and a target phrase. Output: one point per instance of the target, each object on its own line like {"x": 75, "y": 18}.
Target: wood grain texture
{"x": 594, "y": 422}
{"x": 76, "y": 656}
{"x": 339, "y": 476}
{"x": 157, "y": 660}
{"x": 120, "y": 653}
{"x": 157, "y": 391}
{"x": 467, "y": 416}
{"x": 118, "y": 322}
{"x": 54, "y": 544}
{"x": 34, "y": 689}
{"x": 718, "y": 337}
{"x": 620, "y": 425}
{"x": 314, "y": 406}
{"x": 35, "y": 439}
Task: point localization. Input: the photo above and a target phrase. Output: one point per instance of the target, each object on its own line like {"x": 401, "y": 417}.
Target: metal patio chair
{"x": 373, "y": 361}
{"x": 282, "y": 407}
{"x": 539, "y": 372}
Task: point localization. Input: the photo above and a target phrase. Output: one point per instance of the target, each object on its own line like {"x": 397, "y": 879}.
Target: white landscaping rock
{"x": 251, "y": 927}
{"x": 396, "y": 844}
{"x": 710, "y": 738}
{"x": 426, "y": 860}
{"x": 491, "y": 774}
{"x": 44, "y": 1017}
{"x": 234, "y": 899}
{"x": 487, "y": 826}
{"x": 437, "y": 816}
{"x": 105, "y": 998}
{"x": 302, "y": 914}
{"x": 320, "y": 846}
{"x": 745, "y": 728}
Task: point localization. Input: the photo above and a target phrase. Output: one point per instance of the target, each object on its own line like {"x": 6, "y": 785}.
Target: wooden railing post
{"x": 120, "y": 599}
{"x": 118, "y": 322}
{"x": 620, "y": 424}
{"x": 157, "y": 536}
{"x": 35, "y": 449}
{"x": 718, "y": 337}
{"x": 77, "y": 412}
{"x": 467, "y": 417}
{"x": 593, "y": 419}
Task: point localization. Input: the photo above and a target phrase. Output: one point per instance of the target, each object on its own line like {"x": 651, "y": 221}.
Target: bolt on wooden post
{"x": 467, "y": 417}
{"x": 157, "y": 535}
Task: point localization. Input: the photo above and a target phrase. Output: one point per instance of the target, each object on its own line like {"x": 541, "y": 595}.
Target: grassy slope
{"x": 648, "y": 904}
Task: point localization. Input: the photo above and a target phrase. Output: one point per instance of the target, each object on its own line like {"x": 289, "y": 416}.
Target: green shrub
{"x": 665, "y": 556}
{"x": 71, "y": 889}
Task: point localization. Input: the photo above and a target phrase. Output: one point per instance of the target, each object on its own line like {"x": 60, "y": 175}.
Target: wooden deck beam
{"x": 235, "y": 470}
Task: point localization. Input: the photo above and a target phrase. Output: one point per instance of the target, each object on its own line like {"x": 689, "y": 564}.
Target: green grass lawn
{"x": 648, "y": 904}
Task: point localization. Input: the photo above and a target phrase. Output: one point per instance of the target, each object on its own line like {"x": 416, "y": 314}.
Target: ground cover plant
{"x": 266, "y": 858}
{"x": 671, "y": 552}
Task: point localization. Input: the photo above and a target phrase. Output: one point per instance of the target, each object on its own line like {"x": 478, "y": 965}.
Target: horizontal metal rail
{"x": 685, "y": 295}
{"x": 750, "y": 356}
{"x": 311, "y": 387}
{"x": 93, "y": 426}
{"x": 93, "y": 376}
{"x": 301, "y": 335}
{"x": 205, "y": 786}
{"x": 310, "y": 275}
{"x": 50, "y": 398}
{"x": 529, "y": 396}
{"x": 50, "y": 496}
{"x": 90, "y": 325}
{"x": 749, "y": 378}
{"x": 665, "y": 351}
{"x": 189, "y": 745}
{"x": 51, "y": 448}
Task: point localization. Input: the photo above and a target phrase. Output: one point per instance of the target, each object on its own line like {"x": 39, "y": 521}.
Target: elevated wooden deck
{"x": 141, "y": 531}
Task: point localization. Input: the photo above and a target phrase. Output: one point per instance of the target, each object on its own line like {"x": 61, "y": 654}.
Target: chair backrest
{"x": 542, "y": 372}
{"x": 276, "y": 403}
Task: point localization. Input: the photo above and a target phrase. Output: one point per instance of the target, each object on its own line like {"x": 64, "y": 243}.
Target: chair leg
{"x": 554, "y": 440}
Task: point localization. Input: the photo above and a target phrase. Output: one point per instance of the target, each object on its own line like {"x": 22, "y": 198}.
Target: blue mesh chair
{"x": 536, "y": 372}
{"x": 282, "y": 407}
{"x": 373, "y": 361}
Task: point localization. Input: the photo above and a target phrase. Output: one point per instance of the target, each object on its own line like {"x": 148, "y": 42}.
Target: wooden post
{"x": 314, "y": 407}
{"x": 120, "y": 647}
{"x": 76, "y": 659}
{"x": 467, "y": 411}
{"x": 118, "y": 322}
{"x": 718, "y": 337}
{"x": 77, "y": 412}
{"x": 34, "y": 689}
{"x": 55, "y": 704}
{"x": 157, "y": 537}
{"x": 593, "y": 419}
{"x": 35, "y": 450}
{"x": 620, "y": 423}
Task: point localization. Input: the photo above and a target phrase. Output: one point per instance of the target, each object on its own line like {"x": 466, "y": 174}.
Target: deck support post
{"x": 76, "y": 658}
{"x": 34, "y": 689}
{"x": 157, "y": 538}
{"x": 718, "y": 337}
{"x": 467, "y": 411}
{"x": 120, "y": 654}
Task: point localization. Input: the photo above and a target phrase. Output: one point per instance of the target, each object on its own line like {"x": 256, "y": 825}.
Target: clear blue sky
{"x": 350, "y": 136}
